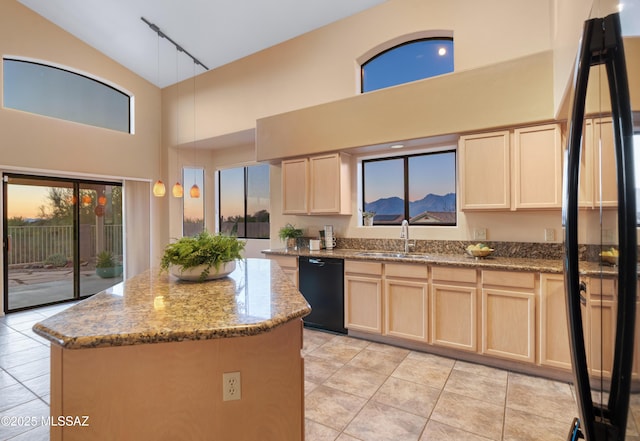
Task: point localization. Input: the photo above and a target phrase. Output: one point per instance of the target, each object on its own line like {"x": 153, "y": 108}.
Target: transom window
{"x": 59, "y": 93}
{"x": 420, "y": 188}
{"x": 244, "y": 201}
{"x": 406, "y": 62}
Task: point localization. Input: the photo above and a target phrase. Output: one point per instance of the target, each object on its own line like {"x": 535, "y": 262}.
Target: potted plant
{"x": 290, "y": 234}
{"x": 367, "y": 218}
{"x": 106, "y": 265}
{"x": 201, "y": 257}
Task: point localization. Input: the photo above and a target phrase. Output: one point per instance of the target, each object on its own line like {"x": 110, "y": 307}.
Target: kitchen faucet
{"x": 404, "y": 234}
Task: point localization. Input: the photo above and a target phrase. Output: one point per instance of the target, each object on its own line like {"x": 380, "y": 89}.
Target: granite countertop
{"x": 154, "y": 307}
{"x": 459, "y": 260}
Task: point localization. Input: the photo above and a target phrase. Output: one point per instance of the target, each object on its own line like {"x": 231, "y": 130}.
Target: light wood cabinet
{"x": 485, "y": 171}
{"x": 601, "y": 319}
{"x": 295, "y": 184}
{"x": 508, "y": 315}
{"x": 553, "y": 331}
{"x": 454, "y": 309}
{"x": 317, "y": 185}
{"x": 496, "y": 174}
{"x": 288, "y": 264}
{"x": 406, "y": 294}
{"x": 538, "y": 167}
{"x": 598, "y": 165}
{"x": 363, "y": 296}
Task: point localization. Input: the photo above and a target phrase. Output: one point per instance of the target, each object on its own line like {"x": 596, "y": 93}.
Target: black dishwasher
{"x": 321, "y": 283}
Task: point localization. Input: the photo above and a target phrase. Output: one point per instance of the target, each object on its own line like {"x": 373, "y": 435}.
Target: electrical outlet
{"x": 480, "y": 234}
{"x": 549, "y": 234}
{"x": 231, "y": 387}
{"x": 607, "y": 236}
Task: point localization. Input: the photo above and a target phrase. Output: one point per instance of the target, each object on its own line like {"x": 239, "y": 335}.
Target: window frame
{"x": 245, "y": 201}
{"x": 382, "y": 50}
{"x": 406, "y": 201}
{"x": 70, "y": 71}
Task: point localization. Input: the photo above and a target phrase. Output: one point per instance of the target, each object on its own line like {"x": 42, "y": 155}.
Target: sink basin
{"x": 394, "y": 255}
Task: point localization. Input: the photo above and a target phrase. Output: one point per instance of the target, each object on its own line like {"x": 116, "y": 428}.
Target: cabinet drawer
{"x": 465, "y": 275}
{"x": 357, "y": 267}
{"x": 406, "y": 270}
{"x": 509, "y": 278}
{"x": 604, "y": 287}
{"x": 285, "y": 261}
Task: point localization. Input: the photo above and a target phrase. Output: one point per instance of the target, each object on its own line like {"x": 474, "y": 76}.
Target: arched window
{"x": 52, "y": 91}
{"x": 406, "y": 62}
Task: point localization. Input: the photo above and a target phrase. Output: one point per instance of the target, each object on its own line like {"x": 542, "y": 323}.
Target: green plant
{"x": 289, "y": 231}
{"x": 105, "y": 259}
{"x": 57, "y": 260}
{"x": 205, "y": 248}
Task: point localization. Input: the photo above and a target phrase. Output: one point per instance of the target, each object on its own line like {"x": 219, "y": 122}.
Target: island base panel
{"x": 169, "y": 391}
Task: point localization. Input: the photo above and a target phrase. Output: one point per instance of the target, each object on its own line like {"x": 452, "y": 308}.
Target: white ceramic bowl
{"x": 193, "y": 274}
{"x": 483, "y": 252}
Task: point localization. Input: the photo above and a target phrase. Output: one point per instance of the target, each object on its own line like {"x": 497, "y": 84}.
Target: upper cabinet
{"x": 498, "y": 174}
{"x": 598, "y": 165}
{"x": 485, "y": 171}
{"x": 317, "y": 185}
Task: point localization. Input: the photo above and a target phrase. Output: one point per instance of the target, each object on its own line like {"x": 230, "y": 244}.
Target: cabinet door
{"x": 538, "y": 167}
{"x": 606, "y": 186}
{"x": 294, "y": 186}
{"x": 485, "y": 171}
{"x": 326, "y": 184}
{"x": 553, "y": 331}
{"x": 508, "y": 324}
{"x": 601, "y": 311}
{"x": 289, "y": 266}
{"x": 453, "y": 316}
{"x": 363, "y": 303}
{"x": 406, "y": 309}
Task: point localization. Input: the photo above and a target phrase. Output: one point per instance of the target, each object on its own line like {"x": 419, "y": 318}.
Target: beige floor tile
{"x": 476, "y": 416}
{"x": 344, "y": 340}
{"x": 332, "y": 407}
{"x": 314, "y": 339}
{"x": 33, "y": 408}
{"x": 16, "y": 358}
{"x": 30, "y": 370}
{"x": 539, "y": 396}
{"x": 318, "y": 369}
{"x": 309, "y": 386}
{"x": 392, "y": 351}
{"x": 14, "y": 395}
{"x": 408, "y": 396}
{"x": 478, "y": 369}
{"x": 436, "y": 431}
{"x": 344, "y": 437}
{"x": 361, "y": 382}
{"x": 469, "y": 384}
{"x": 318, "y": 432}
{"x": 40, "y": 433}
{"x": 377, "y": 361}
{"x": 433, "y": 359}
{"x": 521, "y": 426}
{"x": 336, "y": 350}
{"x": 427, "y": 371}
{"x": 377, "y": 422}
{"x": 6, "y": 379}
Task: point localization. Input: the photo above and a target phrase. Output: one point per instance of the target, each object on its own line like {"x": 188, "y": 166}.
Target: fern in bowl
{"x": 201, "y": 257}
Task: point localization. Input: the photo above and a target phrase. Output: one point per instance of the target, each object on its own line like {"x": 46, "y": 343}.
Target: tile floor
{"x": 355, "y": 390}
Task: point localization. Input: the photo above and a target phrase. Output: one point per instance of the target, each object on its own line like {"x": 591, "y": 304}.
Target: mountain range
{"x": 431, "y": 202}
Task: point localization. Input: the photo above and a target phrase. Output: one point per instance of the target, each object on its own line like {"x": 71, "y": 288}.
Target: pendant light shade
{"x": 195, "y": 191}
{"x": 177, "y": 190}
{"x": 159, "y": 189}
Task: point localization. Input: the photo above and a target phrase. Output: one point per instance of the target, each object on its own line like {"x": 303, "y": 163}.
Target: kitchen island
{"x": 145, "y": 359}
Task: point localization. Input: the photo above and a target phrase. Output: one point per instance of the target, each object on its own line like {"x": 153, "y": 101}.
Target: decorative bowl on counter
{"x": 610, "y": 256}
{"x": 479, "y": 250}
{"x": 194, "y": 274}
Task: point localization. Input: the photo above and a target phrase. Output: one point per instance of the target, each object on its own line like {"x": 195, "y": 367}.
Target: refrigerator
{"x": 603, "y": 227}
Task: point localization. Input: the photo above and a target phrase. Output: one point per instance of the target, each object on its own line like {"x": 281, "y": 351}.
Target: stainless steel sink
{"x": 394, "y": 255}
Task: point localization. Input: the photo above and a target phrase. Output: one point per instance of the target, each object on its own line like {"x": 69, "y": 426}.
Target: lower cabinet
{"x": 406, "y": 295}
{"x": 601, "y": 322}
{"x": 289, "y": 266}
{"x": 454, "y": 308}
{"x": 363, "y": 296}
{"x": 508, "y": 315}
{"x": 553, "y": 332}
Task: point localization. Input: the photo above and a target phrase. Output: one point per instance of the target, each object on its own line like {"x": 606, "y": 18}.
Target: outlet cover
{"x": 480, "y": 234}
{"x": 549, "y": 234}
{"x": 231, "y": 387}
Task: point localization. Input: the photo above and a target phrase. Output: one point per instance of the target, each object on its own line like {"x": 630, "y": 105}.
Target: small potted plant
{"x": 290, "y": 234}
{"x": 367, "y": 218}
{"x": 202, "y": 257}
{"x": 106, "y": 265}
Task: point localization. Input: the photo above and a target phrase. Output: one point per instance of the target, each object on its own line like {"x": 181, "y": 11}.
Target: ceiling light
{"x": 397, "y": 146}
{"x": 158, "y": 189}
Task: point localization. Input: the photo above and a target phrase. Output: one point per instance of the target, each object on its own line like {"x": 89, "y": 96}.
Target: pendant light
{"x": 195, "y": 190}
{"x": 159, "y": 189}
{"x": 177, "y": 191}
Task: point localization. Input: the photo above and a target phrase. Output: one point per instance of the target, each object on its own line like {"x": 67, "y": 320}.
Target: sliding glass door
{"x": 62, "y": 239}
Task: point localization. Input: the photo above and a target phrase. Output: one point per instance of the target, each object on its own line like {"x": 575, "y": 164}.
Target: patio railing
{"x": 35, "y": 244}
